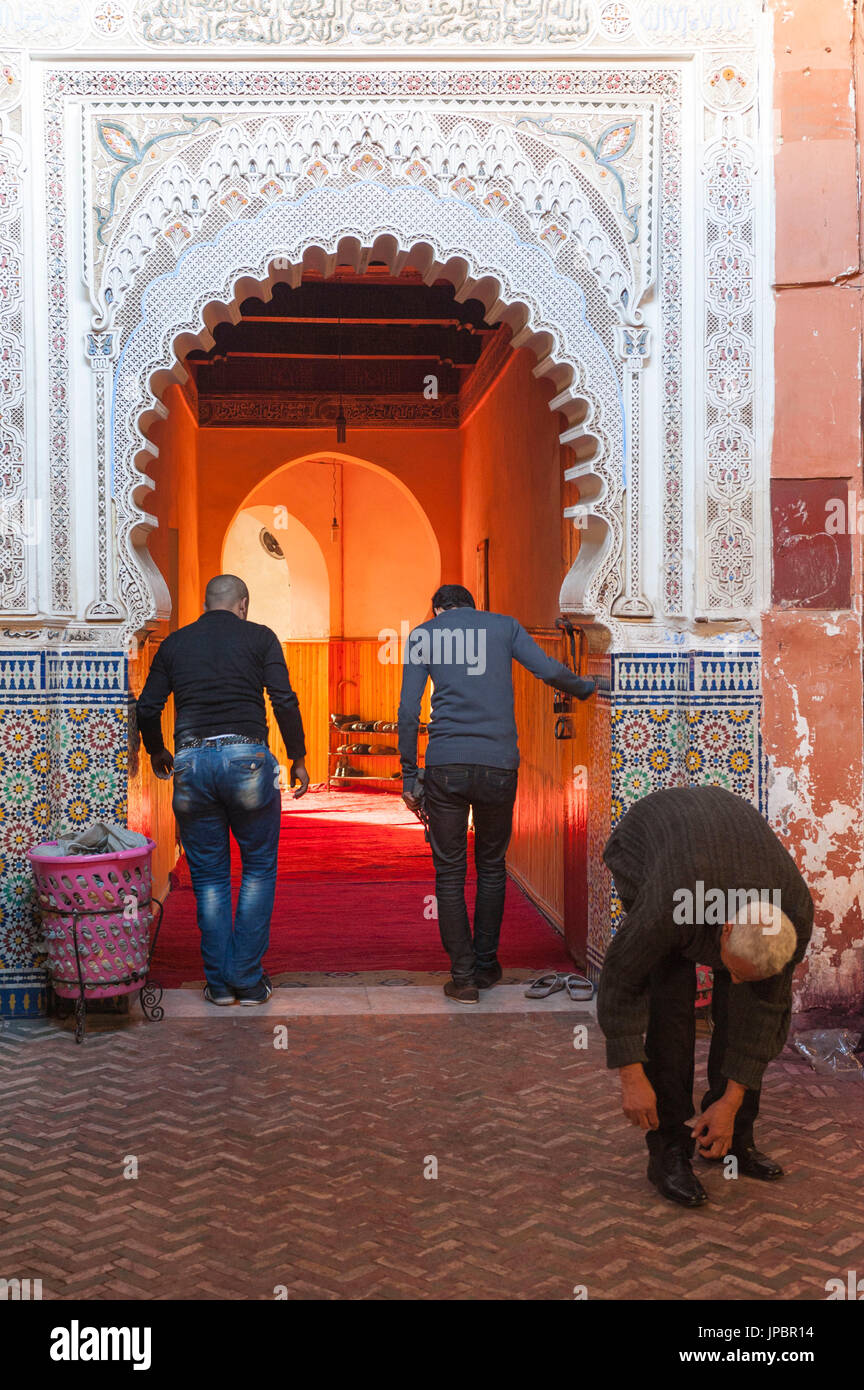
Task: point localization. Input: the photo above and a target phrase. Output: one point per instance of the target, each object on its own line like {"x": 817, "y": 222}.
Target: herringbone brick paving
{"x": 304, "y": 1168}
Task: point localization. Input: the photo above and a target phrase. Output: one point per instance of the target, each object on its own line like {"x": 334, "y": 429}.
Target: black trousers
{"x": 670, "y": 1044}
{"x": 451, "y": 791}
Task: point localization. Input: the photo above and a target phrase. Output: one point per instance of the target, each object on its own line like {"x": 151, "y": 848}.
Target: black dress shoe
{"x": 485, "y": 976}
{"x": 462, "y": 994}
{"x": 754, "y": 1164}
{"x": 672, "y": 1174}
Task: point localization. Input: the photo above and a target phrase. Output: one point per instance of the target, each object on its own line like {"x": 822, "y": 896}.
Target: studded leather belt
{"x": 217, "y": 741}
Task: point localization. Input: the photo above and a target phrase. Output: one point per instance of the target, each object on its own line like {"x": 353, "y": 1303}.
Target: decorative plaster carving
{"x": 20, "y": 516}
{"x": 100, "y": 350}
{"x": 362, "y": 23}
{"x": 575, "y": 186}
{"x": 306, "y": 411}
{"x": 490, "y": 264}
{"x": 633, "y": 346}
{"x": 376, "y": 26}
{"x": 726, "y": 529}
{"x": 109, "y": 18}
{"x": 127, "y": 158}
{"x": 456, "y": 97}
{"x": 10, "y": 79}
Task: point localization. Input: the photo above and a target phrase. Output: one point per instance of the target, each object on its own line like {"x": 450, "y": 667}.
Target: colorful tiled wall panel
{"x": 680, "y": 719}
{"x": 63, "y": 760}
{"x": 23, "y": 993}
{"x": 599, "y": 800}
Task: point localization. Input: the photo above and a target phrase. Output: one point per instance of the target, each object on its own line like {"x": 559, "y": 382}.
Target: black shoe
{"x": 257, "y": 994}
{"x": 754, "y": 1164}
{"x": 485, "y": 976}
{"x": 223, "y": 997}
{"x": 463, "y": 994}
{"x": 672, "y": 1174}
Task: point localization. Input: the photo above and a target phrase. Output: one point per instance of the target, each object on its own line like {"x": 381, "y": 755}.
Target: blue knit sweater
{"x": 469, "y": 655}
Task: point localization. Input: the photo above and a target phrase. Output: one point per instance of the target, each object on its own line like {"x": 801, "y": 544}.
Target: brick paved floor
{"x": 304, "y": 1167}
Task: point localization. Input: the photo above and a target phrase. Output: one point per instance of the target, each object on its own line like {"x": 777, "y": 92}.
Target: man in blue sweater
{"x": 471, "y": 765}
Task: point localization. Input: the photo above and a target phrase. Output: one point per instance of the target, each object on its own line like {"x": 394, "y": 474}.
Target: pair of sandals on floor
{"x": 580, "y": 989}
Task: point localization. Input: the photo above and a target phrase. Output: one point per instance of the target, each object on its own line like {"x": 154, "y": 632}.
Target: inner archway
{"x": 377, "y": 521}
{"x": 321, "y": 543}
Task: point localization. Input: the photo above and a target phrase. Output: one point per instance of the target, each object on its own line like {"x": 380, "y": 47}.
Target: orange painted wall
{"x": 512, "y": 493}
{"x": 175, "y": 503}
{"x": 812, "y": 659}
{"x": 231, "y": 462}
{"x": 512, "y": 479}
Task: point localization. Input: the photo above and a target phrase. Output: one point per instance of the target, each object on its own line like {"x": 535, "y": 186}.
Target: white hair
{"x": 762, "y": 936}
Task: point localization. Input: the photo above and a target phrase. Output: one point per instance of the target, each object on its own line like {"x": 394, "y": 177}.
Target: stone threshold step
{"x": 372, "y": 1000}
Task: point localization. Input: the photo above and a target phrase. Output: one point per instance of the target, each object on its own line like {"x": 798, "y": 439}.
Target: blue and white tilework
{"x": 63, "y": 763}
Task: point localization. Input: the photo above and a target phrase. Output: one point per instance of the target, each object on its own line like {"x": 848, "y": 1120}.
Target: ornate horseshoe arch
{"x": 496, "y": 208}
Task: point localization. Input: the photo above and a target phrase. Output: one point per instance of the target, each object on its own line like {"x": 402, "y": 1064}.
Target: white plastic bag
{"x": 830, "y": 1051}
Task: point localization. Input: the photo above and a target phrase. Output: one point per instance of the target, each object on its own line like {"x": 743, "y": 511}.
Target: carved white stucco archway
{"x": 544, "y": 224}
{"x": 515, "y": 282}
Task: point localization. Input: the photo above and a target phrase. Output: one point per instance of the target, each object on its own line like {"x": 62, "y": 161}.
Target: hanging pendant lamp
{"x": 334, "y": 524}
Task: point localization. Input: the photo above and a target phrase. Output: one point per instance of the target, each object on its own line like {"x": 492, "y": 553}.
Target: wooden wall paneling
{"x": 536, "y": 855}
{"x": 580, "y": 766}
{"x": 361, "y": 684}
{"x": 308, "y": 665}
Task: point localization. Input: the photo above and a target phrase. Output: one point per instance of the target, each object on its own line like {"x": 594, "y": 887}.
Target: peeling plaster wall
{"x": 813, "y": 709}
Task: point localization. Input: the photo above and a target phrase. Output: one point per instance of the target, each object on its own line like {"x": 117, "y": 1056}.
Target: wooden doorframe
{"x": 575, "y": 797}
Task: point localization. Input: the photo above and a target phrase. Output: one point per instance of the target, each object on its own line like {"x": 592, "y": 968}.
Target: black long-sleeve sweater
{"x": 672, "y": 840}
{"x": 218, "y": 669}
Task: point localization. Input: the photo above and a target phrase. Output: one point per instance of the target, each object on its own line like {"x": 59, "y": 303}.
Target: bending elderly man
{"x": 702, "y": 878}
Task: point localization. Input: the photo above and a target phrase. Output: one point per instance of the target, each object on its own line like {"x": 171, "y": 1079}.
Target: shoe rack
{"x": 366, "y": 750}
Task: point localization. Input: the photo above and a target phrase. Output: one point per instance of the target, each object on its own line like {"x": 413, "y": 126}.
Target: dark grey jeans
{"x": 451, "y": 791}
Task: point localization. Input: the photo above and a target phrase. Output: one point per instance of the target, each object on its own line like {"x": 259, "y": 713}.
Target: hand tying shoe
{"x": 752, "y": 1163}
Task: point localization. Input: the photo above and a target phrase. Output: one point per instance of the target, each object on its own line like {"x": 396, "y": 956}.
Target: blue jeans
{"x": 216, "y": 789}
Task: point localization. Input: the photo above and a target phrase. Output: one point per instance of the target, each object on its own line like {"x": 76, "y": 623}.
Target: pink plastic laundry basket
{"x": 96, "y": 911}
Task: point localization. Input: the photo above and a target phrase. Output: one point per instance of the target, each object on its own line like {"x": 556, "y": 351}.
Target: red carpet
{"x": 354, "y": 876}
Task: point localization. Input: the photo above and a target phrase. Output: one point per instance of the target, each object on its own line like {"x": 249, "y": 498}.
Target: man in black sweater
{"x": 225, "y": 777}
{"x": 471, "y": 765}
{"x": 701, "y": 877}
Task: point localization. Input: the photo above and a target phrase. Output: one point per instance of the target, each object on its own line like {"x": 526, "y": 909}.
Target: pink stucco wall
{"x": 812, "y": 676}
